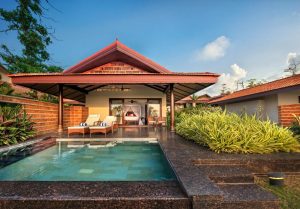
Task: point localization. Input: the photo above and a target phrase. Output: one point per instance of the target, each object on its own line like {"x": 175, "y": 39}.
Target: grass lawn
{"x": 289, "y": 195}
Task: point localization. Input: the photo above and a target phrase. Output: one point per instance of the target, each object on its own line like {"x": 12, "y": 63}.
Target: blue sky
{"x": 183, "y": 36}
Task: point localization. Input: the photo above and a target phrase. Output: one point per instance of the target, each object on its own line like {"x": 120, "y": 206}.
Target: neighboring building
{"x": 121, "y": 82}
{"x": 276, "y": 100}
{"x": 4, "y": 75}
{"x": 188, "y": 101}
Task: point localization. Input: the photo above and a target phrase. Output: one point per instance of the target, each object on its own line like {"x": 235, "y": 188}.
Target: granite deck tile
{"x": 196, "y": 169}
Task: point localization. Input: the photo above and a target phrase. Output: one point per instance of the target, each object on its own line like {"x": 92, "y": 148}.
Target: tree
{"x": 25, "y": 19}
{"x": 254, "y": 82}
{"x": 194, "y": 98}
{"x": 225, "y": 90}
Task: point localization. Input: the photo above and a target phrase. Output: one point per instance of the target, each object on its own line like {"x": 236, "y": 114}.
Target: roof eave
{"x": 255, "y": 96}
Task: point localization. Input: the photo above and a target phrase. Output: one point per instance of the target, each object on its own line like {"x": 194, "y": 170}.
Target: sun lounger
{"x": 83, "y": 129}
{"x": 105, "y": 127}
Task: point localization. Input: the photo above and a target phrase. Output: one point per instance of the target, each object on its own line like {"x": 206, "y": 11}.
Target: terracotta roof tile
{"x": 264, "y": 88}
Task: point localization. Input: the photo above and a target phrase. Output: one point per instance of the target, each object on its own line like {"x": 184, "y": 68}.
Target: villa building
{"x": 189, "y": 102}
{"x": 119, "y": 81}
{"x": 277, "y": 100}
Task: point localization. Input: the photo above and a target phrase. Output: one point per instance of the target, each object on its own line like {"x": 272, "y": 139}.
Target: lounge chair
{"x": 92, "y": 120}
{"x": 104, "y": 127}
{"x": 161, "y": 121}
{"x": 151, "y": 121}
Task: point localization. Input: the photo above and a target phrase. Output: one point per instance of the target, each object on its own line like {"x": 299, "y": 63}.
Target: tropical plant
{"x": 194, "y": 98}
{"x": 32, "y": 94}
{"x": 48, "y": 98}
{"x": 191, "y": 110}
{"x": 232, "y": 133}
{"x": 117, "y": 110}
{"x": 295, "y": 127}
{"x": 6, "y": 89}
{"x": 15, "y": 125}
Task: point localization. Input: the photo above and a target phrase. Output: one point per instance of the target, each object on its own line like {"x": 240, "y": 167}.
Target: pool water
{"x": 128, "y": 161}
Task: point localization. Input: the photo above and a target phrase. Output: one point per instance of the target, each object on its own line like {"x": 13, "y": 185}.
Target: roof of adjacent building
{"x": 201, "y": 99}
{"x": 2, "y": 69}
{"x": 273, "y": 87}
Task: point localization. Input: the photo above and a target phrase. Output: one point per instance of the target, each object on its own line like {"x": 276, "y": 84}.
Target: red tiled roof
{"x": 154, "y": 74}
{"x": 202, "y": 99}
{"x": 77, "y": 78}
{"x": 116, "y": 50}
{"x": 260, "y": 90}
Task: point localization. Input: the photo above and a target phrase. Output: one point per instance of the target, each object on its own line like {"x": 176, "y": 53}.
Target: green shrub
{"x": 191, "y": 110}
{"x": 15, "y": 126}
{"x": 229, "y": 132}
{"x": 6, "y": 89}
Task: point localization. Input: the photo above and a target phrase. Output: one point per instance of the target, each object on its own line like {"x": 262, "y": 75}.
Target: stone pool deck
{"x": 205, "y": 180}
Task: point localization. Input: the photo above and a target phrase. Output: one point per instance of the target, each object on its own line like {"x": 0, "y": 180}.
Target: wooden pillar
{"x": 172, "y": 108}
{"x": 60, "y": 109}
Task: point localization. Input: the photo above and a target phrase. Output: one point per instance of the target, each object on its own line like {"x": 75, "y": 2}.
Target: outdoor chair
{"x": 161, "y": 121}
{"x": 151, "y": 121}
{"x": 92, "y": 120}
{"x": 104, "y": 127}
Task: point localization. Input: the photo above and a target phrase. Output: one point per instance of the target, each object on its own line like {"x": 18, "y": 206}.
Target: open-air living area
{"x": 88, "y": 120}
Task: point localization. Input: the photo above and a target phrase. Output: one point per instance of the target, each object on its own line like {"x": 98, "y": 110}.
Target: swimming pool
{"x": 127, "y": 161}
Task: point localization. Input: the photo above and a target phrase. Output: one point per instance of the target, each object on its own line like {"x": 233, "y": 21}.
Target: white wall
{"x": 271, "y": 108}
{"x": 249, "y": 107}
{"x": 288, "y": 98}
{"x": 266, "y": 107}
{"x": 98, "y": 101}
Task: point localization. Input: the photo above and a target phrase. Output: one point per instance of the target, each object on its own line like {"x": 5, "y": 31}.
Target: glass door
{"x": 116, "y": 109}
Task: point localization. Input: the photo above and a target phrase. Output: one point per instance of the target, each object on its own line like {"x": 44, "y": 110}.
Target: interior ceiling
{"x": 79, "y": 92}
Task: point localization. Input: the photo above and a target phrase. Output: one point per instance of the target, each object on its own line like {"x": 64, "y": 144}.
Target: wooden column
{"x": 60, "y": 109}
{"x": 172, "y": 108}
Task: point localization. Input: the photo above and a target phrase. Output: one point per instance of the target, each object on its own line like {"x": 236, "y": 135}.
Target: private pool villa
{"x": 118, "y": 146}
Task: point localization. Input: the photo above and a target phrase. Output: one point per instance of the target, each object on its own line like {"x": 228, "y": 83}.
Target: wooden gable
{"x": 116, "y": 68}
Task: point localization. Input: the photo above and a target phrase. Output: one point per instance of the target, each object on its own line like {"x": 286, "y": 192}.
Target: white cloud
{"x": 293, "y": 62}
{"x": 229, "y": 79}
{"x": 292, "y": 57}
{"x": 214, "y": 50}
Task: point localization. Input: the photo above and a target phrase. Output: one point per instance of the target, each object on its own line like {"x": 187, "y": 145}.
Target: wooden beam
{"x": 60, "y": 108}
{"x": 172, "y": 108}
{"x": 77, "y": 89}
{"x": 188, "y": 87}
{"x": 167, "y": 88}
{"x": 74, "y": 92}
{"x": 153, "y": 87}
{"x": 189, "y": 93}
{"x": 97, "y": 87}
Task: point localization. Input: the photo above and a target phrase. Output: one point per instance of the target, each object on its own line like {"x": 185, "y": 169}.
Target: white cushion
{"x": 92, "y": 119}
{"x": 98, "y": 127}
{"x": 77, "y": 127}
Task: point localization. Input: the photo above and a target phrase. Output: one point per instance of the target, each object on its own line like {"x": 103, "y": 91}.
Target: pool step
{"x": 99, "y": 203}
{"x": 92, "y": 195}
{"x": 227, "y": 173}
{"x": 236, "y": 182}
{"x": 240, "y": 196}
